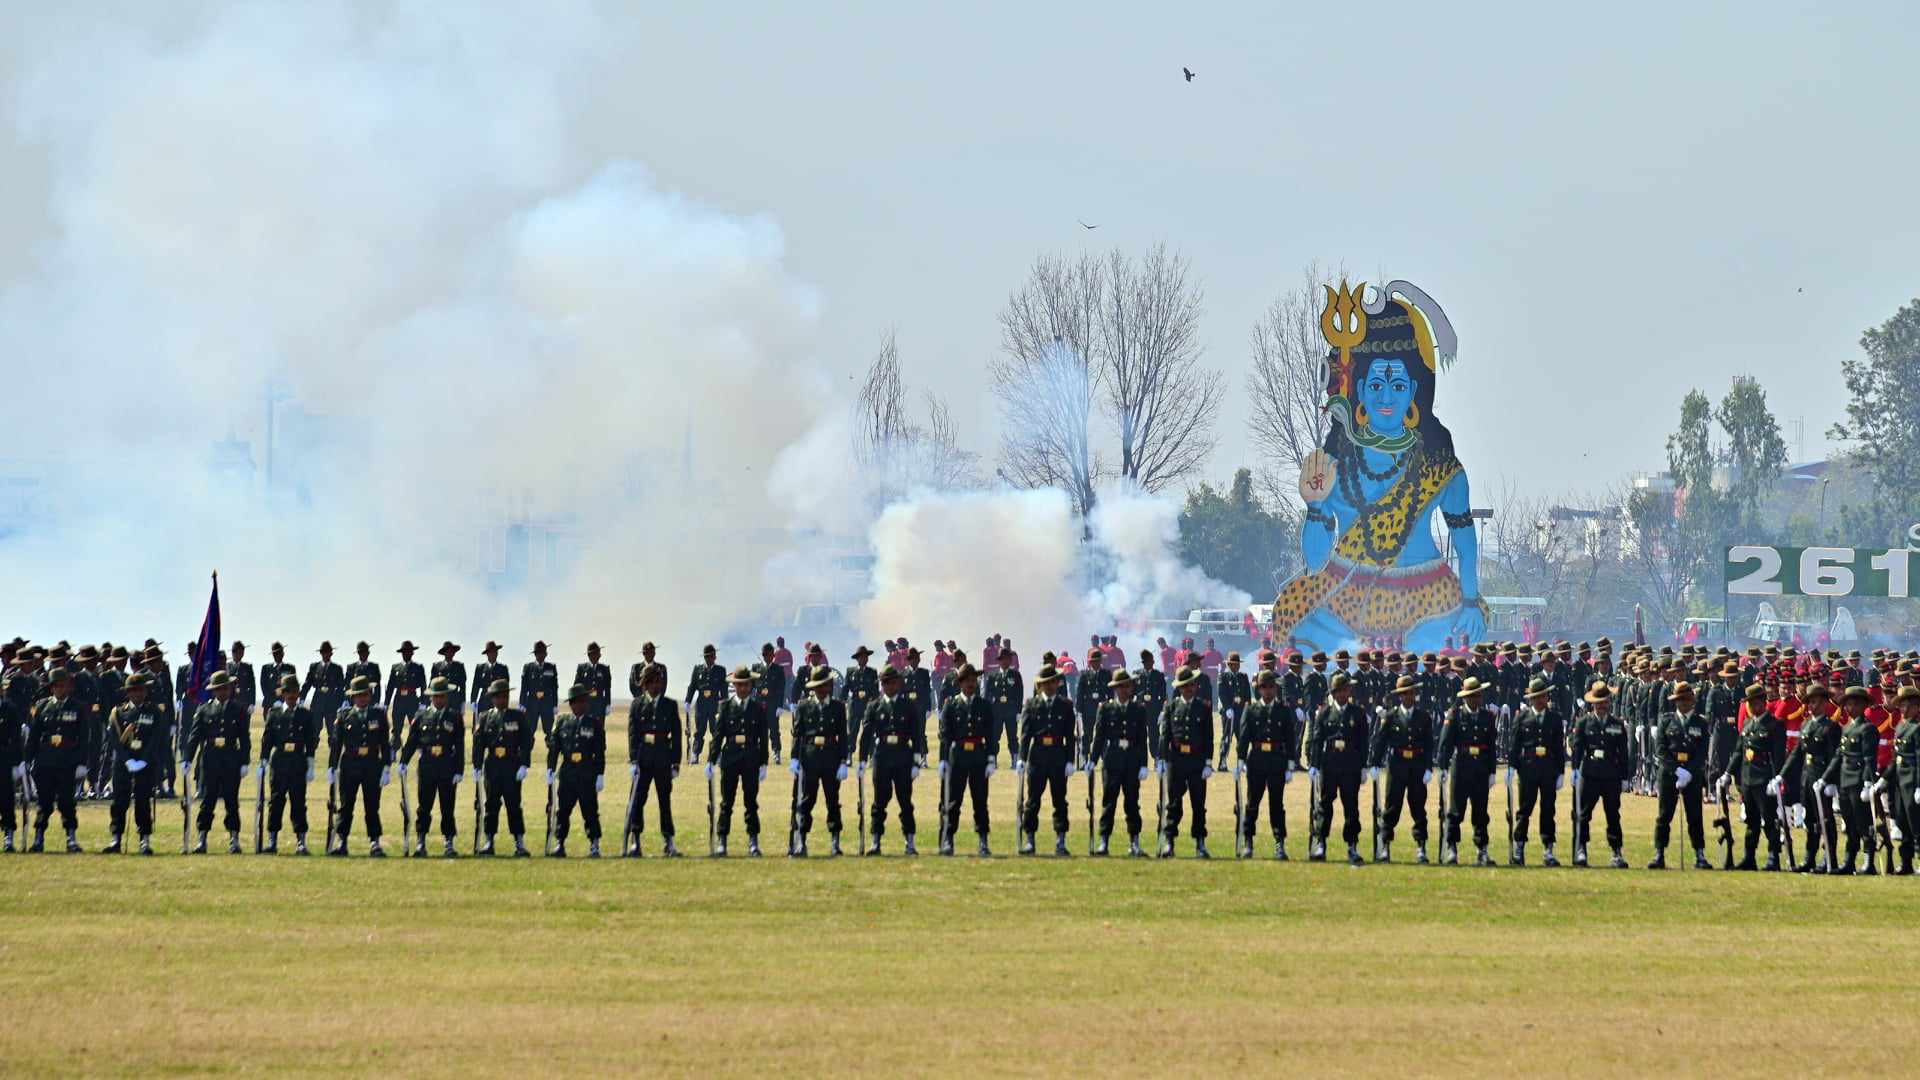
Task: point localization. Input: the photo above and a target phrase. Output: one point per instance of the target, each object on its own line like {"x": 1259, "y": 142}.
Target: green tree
{"x": 1234, "y": 537}
{"x": 1679, "y": 537}
{"x": 1755, "y": 453}
{"x": 1882, "y": 426}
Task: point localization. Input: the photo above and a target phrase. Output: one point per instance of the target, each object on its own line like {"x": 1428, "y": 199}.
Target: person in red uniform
{"x": 1169, "y": 656}
{"x": 783, "y": 656}
{"x": 1210, "y": 662}
{"x": 990, "y": 653}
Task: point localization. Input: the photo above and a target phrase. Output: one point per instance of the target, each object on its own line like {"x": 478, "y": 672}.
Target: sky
{"x": 613, "y": 231}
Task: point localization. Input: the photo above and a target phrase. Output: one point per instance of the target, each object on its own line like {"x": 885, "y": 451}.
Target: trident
{"x": 1344, "y": 309}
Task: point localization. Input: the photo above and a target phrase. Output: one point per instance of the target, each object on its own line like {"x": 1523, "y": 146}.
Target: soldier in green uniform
{"x": 706, "y": 685}
{"x": 272, "y": 673}
{"x": 598, "y": 679}
{"x": 1680, "y": 745}
{"x": 220, "y": 740}
{"x": 1005, "y": 691}
{"x": 1801, "y": 771}
{"x": 741, "y": 735}
{"x": 13, "y": 722}
{"x": 1906, "y": 772}
{"x": 918, "y": 681}
{"x": 813, "y": 659}
{"x": 862, "y": 685}
{"x": 486, "y": 674}
{"x": 134, "y": 730}
{"x": 822, "y": 746}
{"x": 454, "y": 671}
{"x": 1150, "y": 687}
{"x": 326, "y": 682}
{"x": 1402, "y": 746}
{"x": 245, "y": 689}
{"x": 288, "y": 743}
{"x": 1089, "y": 695}
{"x": 1850, "y": 777}
{"x": 577, "y": 749}
{"x": 1759, "y": 756}
{"x": 540, "y": 688}
{"x": 112, "y": 678}
{"x": 406, "y": 681}
{"x": 654, "y": 750}
{"x": 1186, "y": 757}
{"x": 893, "y": 744}
{"x": 1468, "y": 745}
{"x": 365, "y": 668}
{"x": 1264, "y": 739}
{"x": 1598, "y": 749}
{"x": 502, "y": 754}
{"x": 1120, "y": 742}
{"x": 1720, "y": 702}
{"x": 438, "y": 734}
{"x": 1336, "y": 759}
{"x": 1537, "y": 755}
{"x": 1236, "y": 693}
{"x": 770, "y": 686}
{"x": 968, "y": 748}
{"x": 1047, "y": 750}
{"x": 359, "y": 760}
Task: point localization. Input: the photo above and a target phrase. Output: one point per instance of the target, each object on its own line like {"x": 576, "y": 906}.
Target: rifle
{"x": 186, "y": 802}
{"x": 629, "y": 836}
{"x": 943, "y": 801}
{"x": 1446, "y": 812}
{"x": 333, "y": 796}
{"x": 548, "y": 849}
{"x": 710, "y": 818}
{"x": 1239, "y": 820}
{"x": 1509, "y": 785}
{"x": 406, "y": 816}
{"x": 1786, "y": 827}
{"x": 479, "y": 800}
{"x": 1089, "y": 806}
{"x": 1379, "y": 851}
{"x": 1160, "y": 817}
{"x": 1725, "y": 821}
{"x": 793, "y": 820}
{"x": 1880, "y": 829}
{"x": 260, "y": 807}
{"x": 1828, "y": 833}
{"x": 860, "y": 793}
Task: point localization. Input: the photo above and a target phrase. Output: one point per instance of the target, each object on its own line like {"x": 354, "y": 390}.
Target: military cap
{"x": 1407, "y": 685}
{"x": 87, "y": 652}
{"x": 1295, "y": 660}
{"x": 1817, "y": 689}
{"x": 965, "y": 672}
{"x": 593, "y": 646}
{"x": 1340, "y": 681}
{"x": 741, "y": 674}
{"x": 137, "y": 681}
{"x": 1121, "y": 678}
{"x": 498, "y": 686}
{"x": 862, "y": 653}
{"x": 360, "y": 685}
{"x": 119, "y": 652}
{"x": 1233, "y": 658}
{"x": 1266, "y": 678}
{"x": 59, "y": 652}
{"x": 1319, "y": 657}
{"x": 1188, "y": 676}
{"x": 490, "y": 647}
{"x": 1048, "y": 673}
{"x": 913, "y": 653}
{"x": 405, "y": 647}
{"x": 219, "y": 679}
{"x": 539, "y": 646}
{"x": 822, "y": 677}
{"x": 1907, "y": 694}
{"x": 708, "y": 650}
{"x": 1604, "y": 644}
{"x": 326, "y": 647}
{"x": 1755, "y": 690}
{"x": 59, "y": 673}
{"x": 1473, "y": 687}
{"x": 889, "y": 673}
{"x": 652, "y": 672}
{"x": 1459, "y": 663}
{"x": 276, "y": 647}
{"x": 579, "y": 690}
{"x": 1729, "y": 668}
{"x": 1343, "y": 655}
{"x": 448, "y": 648}
{"x": 290, "y": 682}
{"x": 1680, "y": 690}
{"x": 1857, "y": 693}
{"x": 1599, "y": 692}
{"x": 441, "y": 685}
{"x": 1509, "y": 650}
{"x": 1539, "y": 687}
{"x": 1585, "y": 648}
{"x": 361, "y": 646}
{"x": 1854, "y": 654}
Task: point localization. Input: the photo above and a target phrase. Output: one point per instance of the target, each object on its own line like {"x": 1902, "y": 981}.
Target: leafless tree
{"x": 1119, "y": 332}
{"x": 897, "y": 453}
{"x": 1287, "y": 386}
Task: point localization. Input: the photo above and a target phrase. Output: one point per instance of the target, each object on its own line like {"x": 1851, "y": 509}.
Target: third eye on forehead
{"x": 1383, "y": 372}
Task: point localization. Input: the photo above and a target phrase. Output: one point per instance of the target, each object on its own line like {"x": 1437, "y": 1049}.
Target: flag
{"x": 206, "y": 658}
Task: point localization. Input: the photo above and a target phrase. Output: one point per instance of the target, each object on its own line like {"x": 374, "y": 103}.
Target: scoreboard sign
{"x": 1761, "y": 570}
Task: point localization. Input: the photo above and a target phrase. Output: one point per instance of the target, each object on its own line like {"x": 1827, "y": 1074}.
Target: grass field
{"x": 220, "y": 964}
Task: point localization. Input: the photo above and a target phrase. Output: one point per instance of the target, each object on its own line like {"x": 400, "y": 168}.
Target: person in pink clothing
{"x": 990, "y": 653}
{"x": 1169, "y": 656}
{"x": 1111, "y": 655}
{"x": 783, "y": 656}
{"x": 1210, "y": 662}
{"x": 942, "y": 661}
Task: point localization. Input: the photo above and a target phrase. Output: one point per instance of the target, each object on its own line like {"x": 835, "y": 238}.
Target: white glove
{"x": 709, "y": 770}
{"x": 943, "y": 768}
{"x": 600, "y": 783}
{"x": 1916, "y": 795}
{"x": 134, "y": 765}
{"x": 331, "y": 774}
{"x": 1313, "y": 772}
{"x": 841, "y": 772}
{"x": 1230, "y": 713}
{"x": 793, "y": 766}
{"x": 549, "y": 777}
{"x": 863, "y": 768}
{"x": 1576, "y": 776}
{"x": 1143, "y": 772}
{"x": 1559, "y": 781}
{"x": 310, "y": 767}
{"x": 403, "y": 774}
{"x": 261, "y": 768}
{"x": 1161, "y": 766}
{"x": 633, "y": 769}
{"x": 763, "y": 772}
{"x": 20, "y": 773}
{"x": 989, "y": 770}
{"x": 673, "y": 773}
{"x": 1879, "y": 785}
{"x": 1289, "y": 775}
{"x": 1509, "y": 774}
{"x": 519, "y": 774}
{"x": 1830, "y": 791}
{"x": 1894, "y": 828}
{"x": 913, "y": 773}
{"x": 1426, "y": 777}
{"x": 1773, "y": 786}
{"x": 1626, "y": 786}
{"x": 1681, "y": 778}
{"x": 386, "y": 775}
{"x": 457, "y": 777}
{"x": 1206, "y": 772}
{"x": 1373, "y": 774}
{"x": 183, "y": 767}
{"x": 1070, "y": 769}
{"x": 1240, "y": 769}
{"x": 1019, "y": 767}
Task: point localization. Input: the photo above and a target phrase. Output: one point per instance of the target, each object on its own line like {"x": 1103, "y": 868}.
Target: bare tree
{"x": 896, "y": 453}
{"x": 1161, "y": 400}
{"x": 1044, "y": 381}
{"x": 1287, "y": 386}
{"x": 1123, "y": 332}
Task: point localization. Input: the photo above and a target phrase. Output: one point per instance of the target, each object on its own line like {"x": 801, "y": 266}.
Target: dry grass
{"x": 221, "y": 964}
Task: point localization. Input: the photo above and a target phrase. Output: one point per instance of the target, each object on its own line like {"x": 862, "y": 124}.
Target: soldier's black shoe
{"x": 1518, "y": 857}
{"x": 1659, "y": 860}
{"x": 1700, "y": 860}
{"x": 1803, "y": 868}
{"x": 1316, "y": 851}
{"x": 671, "y": 851}
{"x": 1872, "y": 869}
{"x": 1580, "y": 855}
{"x": 1549, "y": 858}
{"x": 1060, "y": 846}
{"x": 753, "y": 847}
{"x": 1420, "y": 855}
{"x": 1280, "y": 850}
{"x": 1383, "y": 852}
{"x": 911, "y": 849}
{"x": 558, "y": 851}
{"x": 1026, "y": 843}
{"x": 1773, "y": 864}
{"x": 1619, "y": 861}
{"x": 797, "y": 849}
{"x": 39, "y": 842}
{"x": 300, "y": 844}
{"x": 1200, "y": 848}
{"x": 1166, "y": 847}
{"x": 946, "y": 846}
{"x": 200, "y": 845}
{"x": 1099, "y": 847}
{"x": 985, "y": 852}
{"x": 1353, "y": 856}
{"x": 375, "y": 851}
{"x": 1906, "y": 867}
{"x": 1481, "y": 858}
{"x": 113, "y": 846}
{"x": 833, "y": 845}
{"x": 6, "y": 843}
{"x": 1449, "y": 855}
{"x": 1133, "y": 847}
{"x": 1747, "y": 864}
{"x": 446, "y": 849}
{"x": 593, "y": 849}
{"x": 873, "y": 846}
{"x": 272, "y": 846}
{"x": 338, "y": 851}
{"x": 146, "y": 846}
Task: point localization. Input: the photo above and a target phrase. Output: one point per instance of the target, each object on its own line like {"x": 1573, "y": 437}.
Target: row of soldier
{"x": 1055, "y": 736}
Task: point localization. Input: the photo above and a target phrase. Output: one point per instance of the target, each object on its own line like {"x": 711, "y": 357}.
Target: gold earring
{"x": 1413, "y": 415}
{"x": 1360, "y": 412}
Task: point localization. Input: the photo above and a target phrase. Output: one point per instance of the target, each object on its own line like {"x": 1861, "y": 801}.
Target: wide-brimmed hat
{"x": 290, "y": 682}
{"x": 1048, "y": 673}
{"x": 741, "y": 674}
{"x": 1599, "y": 692}
{"x": 406, "y": 647}
{"x": 1407, "y": 685}
{"x": 822, "y": 678}
{"x": 1538, "y": 688}
{"x": 1266, "y": 678}
{"x": 1120, "y": 678}
{"x": 1472, "y": 687}
{"x": 441, "y": 685}
{"x": 448, "y": 648}
{"x": 137, "y": 681}
{"x": 862, "y": 653}
{"x": 965, "y": 672}
{"x": 498, "y": 686}
{"x": 1340, "y": 681}
{"x": 1681, "y": 690}
{"x": 1906, "y": 694}
{"x": 1187, "y": 676}
{"x": 219, "y": 679}
{"x": 579, "y": 690}
{"x": 1857, "y": 693}
{"x": 360, "y": 685}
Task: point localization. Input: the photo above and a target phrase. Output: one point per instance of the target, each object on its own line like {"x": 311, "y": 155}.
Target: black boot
{"x": 39, "y": 842}
{"x": 1659, "y": 859}
{"x": 1100, "y": 846}
{"x": 910, "y": 848}
{"x": 113, "y": 846}
{"x": 146, "y": 844}
{"x": 1773, "y": 863}
{"x": 833, "y": 844}
{"x": 1353, "y": 855}
{"x": 1700, "y": 859}
{"x": 1060, "y": 845}
{"x": 1133, "y": 847}
{"x": 519, "y": 847}
{"x": 200, "y": 845}
{"x": 985, "y": 852}
{"x": 1026, "y": 843}
{"x": 1619, "y": 860}
{"x": 671, "y": 851}
{"x": 1200, "y": 848}
{"x": 272, "y": 845}
{"x": 873, "y": 848}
